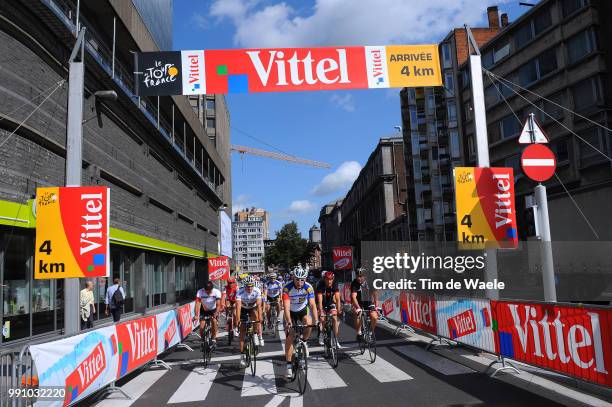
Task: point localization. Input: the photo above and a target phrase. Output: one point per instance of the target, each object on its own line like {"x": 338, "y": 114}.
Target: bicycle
{"x": 229, "y": 320}
{"x": 250, "y": 349}
{"x": 273, "y": 319}
{"x": 299, "y": 359}
{"x": 368, "y": 337}
{"x": 207, "y": 345}
{"x": 330, "y": 342}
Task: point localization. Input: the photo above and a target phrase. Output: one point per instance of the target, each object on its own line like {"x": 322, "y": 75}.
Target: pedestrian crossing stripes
{"x": 135, "y": 388}
{"x": 381, "y": 370}
{"x": 436, "y": 362}
{"x": 196, "y": 385}
{"x": 264, "y": 381}
{"x": 321, "y": 376}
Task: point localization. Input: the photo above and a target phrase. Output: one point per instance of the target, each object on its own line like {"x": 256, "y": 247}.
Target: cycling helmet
{"x": 361, "y": 272}
{"x": 300, "y": 272}
{"x": 329, "y": 275}
{"x": 248, "y": 280}
{"x": 272, "y": 276}
{"x": 231, "y": 280}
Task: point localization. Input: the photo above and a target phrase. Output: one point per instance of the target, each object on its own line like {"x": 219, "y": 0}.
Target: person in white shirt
{"x": 208, "y": 299}
{"x": 248, "y": 306}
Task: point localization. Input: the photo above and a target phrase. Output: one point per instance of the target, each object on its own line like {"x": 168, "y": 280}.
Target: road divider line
{"x": 436, "y": 362}
{"x": 321, "y": 375}
{"x": 264, "y": 381}
{"x": 135, "y": 388}
{"x": 196, "y": 385}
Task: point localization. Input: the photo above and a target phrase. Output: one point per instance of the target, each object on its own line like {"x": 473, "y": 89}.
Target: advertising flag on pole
{"x": 218, "y": 268}
{"x": 72, "y": 230}
{"x": 342, "y": 258}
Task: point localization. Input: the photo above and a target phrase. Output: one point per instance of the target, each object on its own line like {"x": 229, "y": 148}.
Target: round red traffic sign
{"x": 538, "y": 162}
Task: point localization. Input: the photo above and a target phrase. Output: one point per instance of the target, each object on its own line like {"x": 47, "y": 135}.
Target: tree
{"x": 289, "y": 248}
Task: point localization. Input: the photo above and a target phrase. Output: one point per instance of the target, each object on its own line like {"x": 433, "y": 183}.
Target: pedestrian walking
{"x": 115, "y": 296}
{"x": 88, "y": 308}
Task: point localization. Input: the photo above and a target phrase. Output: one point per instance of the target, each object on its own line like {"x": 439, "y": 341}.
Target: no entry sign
{"x": 538, "y": 162}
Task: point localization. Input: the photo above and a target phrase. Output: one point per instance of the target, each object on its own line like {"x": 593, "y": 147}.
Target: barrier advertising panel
{"x": 167, "y": 331}
{"x": 184, "y": 317}
{"x": 286, "y": 69}
{"x": 389, "y": 302}
{"x": 575, "y": 341}
{"x": 137, "y": 343}
{"x": 418, "y": 310}
{"x": 467, "y": 321}
{"x": 81, "y": 364}
{"x": 72, "y": 225}
{"x": 486, "y": 215}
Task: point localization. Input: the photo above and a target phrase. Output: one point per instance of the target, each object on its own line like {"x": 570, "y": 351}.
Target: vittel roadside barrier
{"x": 569, "y": 339}
{"x": 86, "y": 363}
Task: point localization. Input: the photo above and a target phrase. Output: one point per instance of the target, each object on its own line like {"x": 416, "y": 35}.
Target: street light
{"x": 101, "y": 96}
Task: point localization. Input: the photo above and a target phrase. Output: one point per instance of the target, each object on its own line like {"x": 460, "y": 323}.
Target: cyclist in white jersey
{"x": 209, "y": 299}
{"x": 273, "y": 291}
{"x": 298, "y": 299}
{"x": 262, "y": 289}
{"x": 248, "y": 306}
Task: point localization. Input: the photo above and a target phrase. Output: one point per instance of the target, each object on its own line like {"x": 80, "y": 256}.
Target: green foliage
{"x": 289, "y": 248}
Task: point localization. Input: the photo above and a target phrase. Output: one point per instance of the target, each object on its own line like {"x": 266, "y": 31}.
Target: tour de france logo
{"x": 161, "y": 73}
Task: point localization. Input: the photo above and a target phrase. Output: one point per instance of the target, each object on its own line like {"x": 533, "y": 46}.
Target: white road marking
{"x": 381, "y": 370}
{"x": 436, "y": 362}
{"x": 264, "y": 381}
{"x": 321, "y": 375}
{"x": 135, "y": 388}
{"x": 196, "y": 385}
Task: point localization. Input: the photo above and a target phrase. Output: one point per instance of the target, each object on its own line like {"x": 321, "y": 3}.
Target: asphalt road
{"x": 404, "y": 374}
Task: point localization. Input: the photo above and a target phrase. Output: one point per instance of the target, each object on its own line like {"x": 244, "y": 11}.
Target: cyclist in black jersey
{"x": 328, "y": 303}
{"x": 363, "y": 298}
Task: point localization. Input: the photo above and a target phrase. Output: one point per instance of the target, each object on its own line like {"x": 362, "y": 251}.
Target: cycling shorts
{"x": 366, "y": 305}
{"x": 298, "y": 315}
{"x": 329, "y": 309}
{"x": 207, "y": 313}
{"x": 273, "y": 300}
{"x": 244, "y": 314}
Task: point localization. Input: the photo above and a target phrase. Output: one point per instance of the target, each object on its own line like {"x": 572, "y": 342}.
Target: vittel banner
{"x": 287, "y": 69}
{"x": 184, "y": 316}
{"x": 467, "y": 321}
{"x": 137, "y": 343}
{"x": 342, "y": 258}
{"x": 418, "y": 310}
{"x": 575, "y": 341}
{"x": 218, "y": 268}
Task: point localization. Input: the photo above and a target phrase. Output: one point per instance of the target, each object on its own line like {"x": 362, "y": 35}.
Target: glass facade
{"x": 157, "y": 16}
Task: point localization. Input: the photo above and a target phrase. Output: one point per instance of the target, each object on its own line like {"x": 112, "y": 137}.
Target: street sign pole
{"x": 74, "y": 159}
{"x": 482, "y": 150}
{"x": 548, "y": 272}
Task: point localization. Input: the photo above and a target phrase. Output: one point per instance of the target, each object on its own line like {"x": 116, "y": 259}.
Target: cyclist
{"x": 328, "y": 302}
{"x": 362, "y": 298}
{"x": 248, "y": 305}
{"x": 273, "y": 291}
{"x": 208, "y": 298}
{"x": 298, "y": 299}
{"x": 229, "y": 299}
{"x": 262, "y": 289}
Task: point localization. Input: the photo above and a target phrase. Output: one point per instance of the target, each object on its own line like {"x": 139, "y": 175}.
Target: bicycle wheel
{"x": 230, "y": 331}
{"x": 333, "y": 350}
{"x": 247, "y": 351}
{"x": 274, "y": 318}
{"x": 253, "y": 357}
{"x": 302, "y": 369}
{"x": 372, "y": 344}
{"x": 362, "y": 342}
{"x": 205, "y": 348}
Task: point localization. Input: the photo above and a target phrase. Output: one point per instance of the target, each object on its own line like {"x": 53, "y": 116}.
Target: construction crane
{"x": 278, "y": 156}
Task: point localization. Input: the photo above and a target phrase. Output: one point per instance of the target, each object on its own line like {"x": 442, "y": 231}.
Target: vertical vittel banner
{"x": 486, "y": 215}
{"x": 342, "y": 258}
{"x": 286, "y": 69}
{"x": 226, "y": 235}
{"x": 72, "y": 231}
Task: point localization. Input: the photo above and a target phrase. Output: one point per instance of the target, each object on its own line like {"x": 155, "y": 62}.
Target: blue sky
{"x": 340, "y": 128}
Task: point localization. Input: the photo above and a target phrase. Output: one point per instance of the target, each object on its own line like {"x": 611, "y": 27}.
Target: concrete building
{"x": 374, "y": 207}
{"x": 562, "y": 51}
{"x": 243, "y": 215}
{"x": 249, "y": 246}
{"x": 314, "y": 234}
{"x": 431, "y": 124}
{"x": 314, "y": 238}
{"x": 166, "y": 177}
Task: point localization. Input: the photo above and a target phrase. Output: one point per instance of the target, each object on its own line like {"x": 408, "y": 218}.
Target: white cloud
{"x": 200, "y": 21}
{"x": 347, "y": 22}
{"x": 242, "y": 202}
{"x": 301, "y": 206}
{"x": 340, "y": 180}
{"x": 344, "y": 102}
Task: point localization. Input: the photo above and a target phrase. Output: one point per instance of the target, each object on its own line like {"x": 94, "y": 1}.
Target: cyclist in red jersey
{"x": 229, "y": 299}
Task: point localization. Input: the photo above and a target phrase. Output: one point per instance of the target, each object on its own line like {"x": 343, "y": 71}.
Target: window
{"x": 588, "y": 153}
{"x": 452, "y": 112}
{"x": 509, "y": 126}
{"x": 538, "y": 67}
{"x": 561, "y": 151}
{"x": 156, "y": 279}
{"x": 542, "y": 21}
{"x": 528, "y": 73}
{"x": 580, "y": 45}
{"x": 471, "y": 146}
{"x": 210, "y": 104}
{"x": 586, "y": 94}
{"x": 449, "y": 82}
{"x": 487, "y": 59}
{"x": 501, "y": 52}
{"x": 551, "y": 107}
{"x": 446, "y": 55}
{"x": 210, "y": 123}
{"x": 570, "y": 6}
{"x": 523, "y": 35}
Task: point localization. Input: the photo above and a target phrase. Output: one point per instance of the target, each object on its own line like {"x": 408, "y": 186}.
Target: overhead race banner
{"x": 342, "y": 257}
{"x": 286, "y": 69}
{"x": 72, "y": 230}
{"x": 486, "y": 215}
{"x": 226, "y": 235}
{"x": 218, "y": 268}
